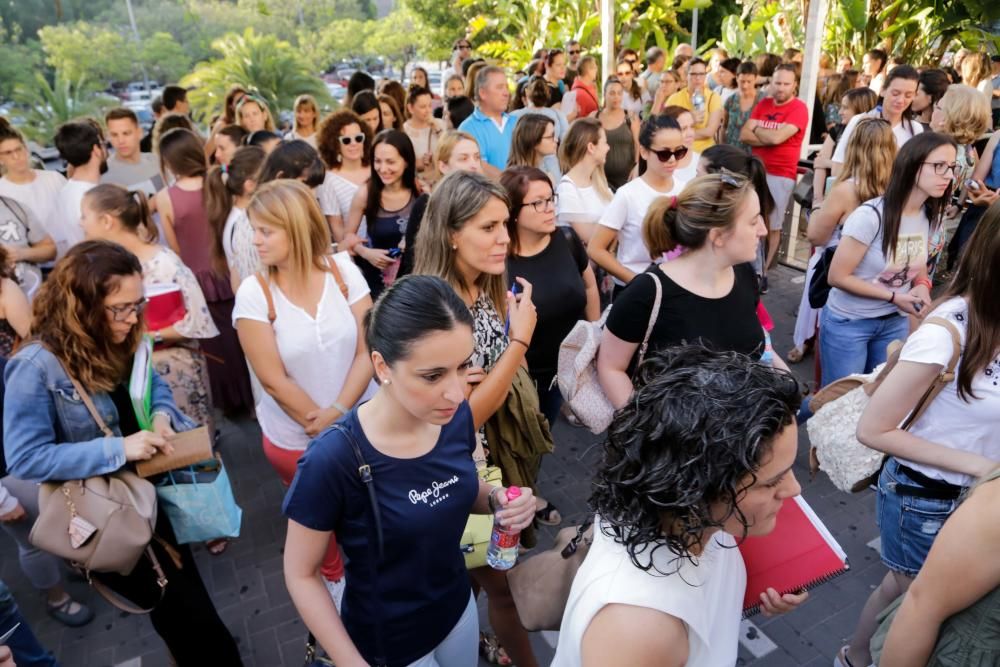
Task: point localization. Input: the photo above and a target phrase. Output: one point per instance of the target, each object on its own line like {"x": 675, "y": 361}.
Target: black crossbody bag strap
{"x": 376, "y": 551}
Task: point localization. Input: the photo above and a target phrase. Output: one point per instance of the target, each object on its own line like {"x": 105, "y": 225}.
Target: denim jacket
{"x": 48, "y": 432}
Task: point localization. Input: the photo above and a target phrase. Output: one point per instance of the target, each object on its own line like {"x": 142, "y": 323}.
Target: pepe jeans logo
{"x": 433, "y": 495}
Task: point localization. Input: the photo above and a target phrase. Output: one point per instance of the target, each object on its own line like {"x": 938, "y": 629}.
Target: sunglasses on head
{"x": 665, "y": 154}
{"x": 726, "y": 177}
{"x": 357, "y": 138}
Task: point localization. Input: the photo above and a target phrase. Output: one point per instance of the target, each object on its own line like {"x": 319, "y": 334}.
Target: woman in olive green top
{"x": 950, "y": 617}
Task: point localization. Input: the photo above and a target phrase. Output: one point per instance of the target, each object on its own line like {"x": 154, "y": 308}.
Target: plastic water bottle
{"x": 698, "y": 100}
{"x": 502, "y": 552}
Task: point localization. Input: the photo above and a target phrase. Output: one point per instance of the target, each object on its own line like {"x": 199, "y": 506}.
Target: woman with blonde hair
{"x": 300, "y": 325}
{"x": 465, "y": 241}
{"x": 534, "y": 140}
{"x": 306, "y": 120}
{"x": 977, "y": 72}
{"x": 855, "y": 101}
{"x": 865, "y": 175}
{"x": 253, "y": 115}
{"x": 964, "y": 114}
{"x": 583, "y": 190}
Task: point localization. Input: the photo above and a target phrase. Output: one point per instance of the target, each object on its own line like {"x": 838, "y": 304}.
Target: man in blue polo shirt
{"x": 490, "y": 123}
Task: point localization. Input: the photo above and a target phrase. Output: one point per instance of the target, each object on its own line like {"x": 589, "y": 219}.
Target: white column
{"x": 607, "y": 39}
{"x": 818, "y": 10}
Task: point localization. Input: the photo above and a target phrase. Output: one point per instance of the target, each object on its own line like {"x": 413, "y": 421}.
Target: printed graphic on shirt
{"x": 433, "y": 494}
{"x": 907, "y": 258}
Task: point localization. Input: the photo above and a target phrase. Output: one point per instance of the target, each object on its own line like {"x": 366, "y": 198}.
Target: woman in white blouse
{"x": 300, "y": 326}
{"x": 345, "y": 144}
{"x": 583, "y": 190}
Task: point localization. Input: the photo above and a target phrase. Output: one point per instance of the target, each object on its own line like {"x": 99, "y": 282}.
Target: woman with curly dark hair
{"x": 697, "y": 461}
{"x": 345, "y": 144}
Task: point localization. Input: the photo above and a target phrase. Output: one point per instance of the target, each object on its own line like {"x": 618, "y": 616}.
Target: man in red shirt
{"x": 775, "y": 130}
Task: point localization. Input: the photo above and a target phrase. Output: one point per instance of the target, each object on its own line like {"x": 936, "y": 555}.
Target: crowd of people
{"x": 385, "y": 289}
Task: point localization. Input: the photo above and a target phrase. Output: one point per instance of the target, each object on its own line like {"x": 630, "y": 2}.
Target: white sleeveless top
{"x": 706, "y": 597}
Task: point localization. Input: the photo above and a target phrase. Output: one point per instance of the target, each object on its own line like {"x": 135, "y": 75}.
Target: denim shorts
{"x": 908, "y": 525}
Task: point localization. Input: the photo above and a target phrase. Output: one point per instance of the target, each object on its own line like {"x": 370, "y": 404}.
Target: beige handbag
{"x": 540, "y": 585}
{"x": 100, "y": 524}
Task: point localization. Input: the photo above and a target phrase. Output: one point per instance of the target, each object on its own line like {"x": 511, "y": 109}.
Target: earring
{"x": 454, "y": 247}
{"x": 385, "y": 381}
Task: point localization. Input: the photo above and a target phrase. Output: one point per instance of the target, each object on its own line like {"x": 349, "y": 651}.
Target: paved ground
{"x": 247, "y": 585}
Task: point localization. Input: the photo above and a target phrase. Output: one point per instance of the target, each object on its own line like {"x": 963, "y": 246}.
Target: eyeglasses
{"x": 665, "y": 154}
{"x": 574, "y": 52}
{"x": 543, "y": 204}
{"x": 942, "y": 168}
{"x": 630, "y": 61}
{"x": 123, "y": 312}
{"x": 357, "y": 138}
{"x": 697, "y": 74}
{"x": 13, "y": 151}
{"x": 625, "y": 73}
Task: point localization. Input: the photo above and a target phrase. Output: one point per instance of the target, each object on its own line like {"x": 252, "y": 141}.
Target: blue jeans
{"x": 855, "y": 346}
{"x": 907, "y": 524}
{"x": 27, "y": 650}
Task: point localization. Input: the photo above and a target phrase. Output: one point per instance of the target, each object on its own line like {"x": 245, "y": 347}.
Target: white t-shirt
{"x": 904, "y": 131}
{"x": 39, "y": 195}
{"x": 707, "y": 597}
{"x": 893, "y": 273}
{"x": 578, "y": 204}
{"x": 292, "y": 135}
{"x": 63, "y": 223}
{"x": 949, "y": 420}
{"x": 335, "y": 194}
{"x": 685, "y": 175}
{"x": 625, "y": 214}
{"x": 317, "y": 352}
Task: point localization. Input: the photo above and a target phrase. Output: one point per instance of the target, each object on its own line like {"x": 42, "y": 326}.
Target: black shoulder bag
{"x": 376, "y": 552}
{"x": 819, "y": 286}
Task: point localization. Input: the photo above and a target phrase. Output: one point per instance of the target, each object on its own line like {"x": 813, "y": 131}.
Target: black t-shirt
{"x": 727, "y": 324}
{"x": 559, "y": 296}
{"x": 127, "y": 421}
{"x": 555, "y": 94}
{"x": 423, "y": 585}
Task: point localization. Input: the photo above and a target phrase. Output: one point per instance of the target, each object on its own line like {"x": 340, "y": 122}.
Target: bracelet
{"x": 518, "y": 340}
{"x": 163, "y": 413}
{"x": 492, "y": 499}
{"x": 892, "y": 297}
{"x": 339, "y": 408}
{"x": 926, "y": 282}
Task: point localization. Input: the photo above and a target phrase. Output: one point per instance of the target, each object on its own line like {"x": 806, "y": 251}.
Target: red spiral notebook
{"x": 799, "y": 554}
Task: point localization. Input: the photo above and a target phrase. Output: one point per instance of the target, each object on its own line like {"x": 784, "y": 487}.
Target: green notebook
{"x": 140, "y": 384}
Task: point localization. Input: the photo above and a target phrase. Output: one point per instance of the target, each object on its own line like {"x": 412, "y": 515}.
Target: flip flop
{"x": 544, "y": 515}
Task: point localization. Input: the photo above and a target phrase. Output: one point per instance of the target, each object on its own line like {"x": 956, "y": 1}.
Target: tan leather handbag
{"x": 101, "y": 524}
{"x": 541, "y": 584}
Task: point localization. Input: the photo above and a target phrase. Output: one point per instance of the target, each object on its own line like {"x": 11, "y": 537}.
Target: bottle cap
{"x": 513, "y": 492}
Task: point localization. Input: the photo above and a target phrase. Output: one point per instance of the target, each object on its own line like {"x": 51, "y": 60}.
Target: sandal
{"x": 217, "y": 547}
{"x": 544, "y": 515}
{"x": 63, "y": 612}
{"x": 491, "y": 651}
{"x": 840, "y": 660}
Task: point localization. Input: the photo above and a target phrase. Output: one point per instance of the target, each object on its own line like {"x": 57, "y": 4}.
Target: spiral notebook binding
{"x": 754, "y": 609}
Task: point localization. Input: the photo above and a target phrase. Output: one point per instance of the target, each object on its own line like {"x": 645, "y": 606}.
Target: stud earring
{"x": 385, "y": 380}
{"x": 454, "y": 247}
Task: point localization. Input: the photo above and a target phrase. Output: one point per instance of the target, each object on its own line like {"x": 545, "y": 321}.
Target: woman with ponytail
{"x": 709, "y": 292}
{"x": 227, "y": 194}
{"x": 111, "y": 213}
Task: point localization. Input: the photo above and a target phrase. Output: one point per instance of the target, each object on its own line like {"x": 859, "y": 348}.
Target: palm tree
{"x": 269, "y": 67}
{"x": 50, "y": 105}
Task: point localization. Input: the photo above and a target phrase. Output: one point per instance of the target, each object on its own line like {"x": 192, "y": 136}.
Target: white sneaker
{"x": 336, "y": 590}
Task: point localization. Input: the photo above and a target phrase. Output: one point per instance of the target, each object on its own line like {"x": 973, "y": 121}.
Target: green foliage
{"x": 164, "y": 58}
{"x": 19, "y": 61}
{"x": 86, "y": 52}
{"x": 396, "y": 37}
{"x": 270, "y": 67}
{"x": 339, "y": 40}
{"x": 50, "y": 105}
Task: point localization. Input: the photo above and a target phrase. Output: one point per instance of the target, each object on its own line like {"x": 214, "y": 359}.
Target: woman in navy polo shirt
{"x": 413, "y": 604}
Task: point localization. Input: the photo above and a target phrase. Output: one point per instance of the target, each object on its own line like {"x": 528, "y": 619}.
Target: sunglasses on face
{"x": 665, "y": 154}
{"x": 123, "y": 312}
{"x": 574, "y": 52}
{"x": 630, "y": 61}
{"x": 357, "y": 138}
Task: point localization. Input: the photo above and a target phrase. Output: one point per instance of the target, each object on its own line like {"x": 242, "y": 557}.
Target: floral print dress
{"x": 183, "y": 365}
